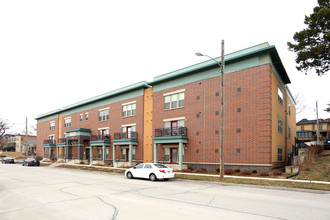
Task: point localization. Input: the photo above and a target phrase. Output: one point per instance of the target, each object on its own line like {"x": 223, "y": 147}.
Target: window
{"x": 104, "y": 134}
{"x": 280, "y": 125}
{"x": 140, "y": 166}
{"x": 174, "y": 101}
{"x": 280, "y": 96}
{"x": 86, "y": 116}
{"x": 320, "y": 127}
{"x": 147, "y": 166}
{"x": 104, "y": 115}
{"x": 67, "y": 122}
{"x": 107, "y": 153}
{"x": 279, "y": 153}
{"x": 289, "y": 109}
{"x": 128, "y": 132}
{"x": 313, "y": 127}
{"x": 80, "y": 117}
{"x": 174, "y": 128}
{"x": 289, "y": 131}
{"x": 52, "y": 125}
{"x": 100, "y": 153}
{"x": 129, "y": 110}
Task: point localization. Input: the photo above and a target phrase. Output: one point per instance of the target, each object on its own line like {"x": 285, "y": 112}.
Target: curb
{"x": 257, "y": 178}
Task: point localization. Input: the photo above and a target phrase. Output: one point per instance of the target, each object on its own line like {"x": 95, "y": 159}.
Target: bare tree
{"x": 300, "y": 106}
{"x": 4, "y": 126}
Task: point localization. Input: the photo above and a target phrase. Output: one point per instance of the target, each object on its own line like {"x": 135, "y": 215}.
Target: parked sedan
{"x": 8, "y": 160}
{"x": 30, "y": 162}
{"x": 152, "y": 171}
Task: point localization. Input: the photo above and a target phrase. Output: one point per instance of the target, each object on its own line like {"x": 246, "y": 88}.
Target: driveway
{"x": 59, "y": 193}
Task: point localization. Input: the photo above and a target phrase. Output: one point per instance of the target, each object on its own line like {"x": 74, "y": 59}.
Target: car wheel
{"x": 129, "y": 175}
{"x": 152, "y": 177}
{"x": 22, "y": 164}
{"x": 166, "y": 179}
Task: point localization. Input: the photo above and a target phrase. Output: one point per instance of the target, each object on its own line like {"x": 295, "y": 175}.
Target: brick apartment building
{"x": 175, "y": 119}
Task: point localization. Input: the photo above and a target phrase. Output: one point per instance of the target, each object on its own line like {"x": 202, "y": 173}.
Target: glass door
{"x": 174, "y": 155}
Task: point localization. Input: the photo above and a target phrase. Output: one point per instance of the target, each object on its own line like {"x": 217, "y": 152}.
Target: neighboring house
{"x": 19, "y": 142}
{"x": 307, "y": 130}
{"x": 175, "y": 119}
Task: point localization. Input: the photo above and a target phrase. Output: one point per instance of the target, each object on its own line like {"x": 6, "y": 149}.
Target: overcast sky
{"x": 56, "y": 53}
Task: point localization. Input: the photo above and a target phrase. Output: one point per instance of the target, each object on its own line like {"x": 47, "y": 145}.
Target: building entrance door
{"x": 88, "y": 154}
{"x": 174, "y": 155}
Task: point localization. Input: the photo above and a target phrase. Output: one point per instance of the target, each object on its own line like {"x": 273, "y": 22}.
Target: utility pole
{"x": 317, "y": 125}
{"x": 222, "y": 157}
{"x": 26, "y": 138}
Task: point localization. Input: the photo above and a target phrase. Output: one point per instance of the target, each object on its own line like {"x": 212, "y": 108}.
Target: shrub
{"x": 218, "y": 170}
{"x": 237, "y": 170}
{"x": 200, "y": 170}
{"x": 254, "y": 171}
{"x": 277, "y": 172}
{"x": 264, "y": 173}
{"x": 229, "y": 171}
{"x": 246, "y": 172}
{"x": 190, "y": 168}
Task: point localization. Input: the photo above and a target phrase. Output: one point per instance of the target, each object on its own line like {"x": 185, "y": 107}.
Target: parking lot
{"x": 59, "y": 193}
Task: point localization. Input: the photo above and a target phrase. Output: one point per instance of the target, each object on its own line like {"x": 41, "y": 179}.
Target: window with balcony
{"x": 173, "y": 101}
{"x": 173, "y": 128}
{"x": 104, "y": 134}
{"x": 52, "y": 125}
{"x": 129, "y": 132}
{"x": 104, "y": 115}
{"x": 129, "y": 110}
{"x": 280, "y": 96}
{"x": 67, "y": 122}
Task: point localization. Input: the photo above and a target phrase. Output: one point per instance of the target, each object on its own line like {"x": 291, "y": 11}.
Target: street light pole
{"x": 222, "y": 124}
{"x": 222, "y": 165}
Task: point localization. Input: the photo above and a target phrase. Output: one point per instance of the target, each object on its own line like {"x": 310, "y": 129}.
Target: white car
{"x": 152, "y": 171}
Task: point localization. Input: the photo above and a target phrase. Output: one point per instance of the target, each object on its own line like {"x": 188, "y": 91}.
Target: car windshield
{"x": 158, "y": 165}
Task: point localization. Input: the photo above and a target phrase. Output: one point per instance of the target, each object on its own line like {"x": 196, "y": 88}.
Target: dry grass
{"x": 265, "y": 182}
{"x": 101, "y": 168}
{"x": 319, "y": 170}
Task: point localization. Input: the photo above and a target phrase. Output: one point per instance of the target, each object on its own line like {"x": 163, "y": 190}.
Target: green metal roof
{"x": 78, "y": 129}
{"x": 132, "y": 87}
{"x": 229, "y": 58}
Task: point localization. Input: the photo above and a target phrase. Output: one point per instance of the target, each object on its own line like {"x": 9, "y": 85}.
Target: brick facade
{"x": 252, "y": 110}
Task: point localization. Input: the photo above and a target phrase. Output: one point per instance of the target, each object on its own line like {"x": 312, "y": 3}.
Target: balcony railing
{"x": 126, "y": 135}
{"x": 167, "y": 132}
{"x": 100, "y": 138}
{"x": 49, "y": 141}
{"x": 61, "y": 140}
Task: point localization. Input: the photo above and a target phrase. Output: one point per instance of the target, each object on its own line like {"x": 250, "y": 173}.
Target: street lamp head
{"x": 199, "y": 54}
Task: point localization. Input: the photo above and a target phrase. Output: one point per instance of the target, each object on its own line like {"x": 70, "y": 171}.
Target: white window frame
{"x": 129, "y": 109}
{"x": 67, "y": 122}
{"x": 104, "y": 114}
{"x": 280, "y": 95}
{"x": 174, "y": 100}
{"x": 52, "y": 125}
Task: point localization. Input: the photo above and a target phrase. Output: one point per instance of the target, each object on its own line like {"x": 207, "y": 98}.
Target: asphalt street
{"x": 59, "y": 193}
